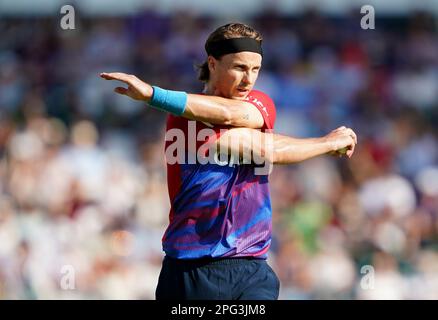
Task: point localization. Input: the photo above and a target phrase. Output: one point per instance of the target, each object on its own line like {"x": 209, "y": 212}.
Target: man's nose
{"x": 247, "y": 78}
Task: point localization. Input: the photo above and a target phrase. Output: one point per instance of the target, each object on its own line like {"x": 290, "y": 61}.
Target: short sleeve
{"x": 266, "y": 107}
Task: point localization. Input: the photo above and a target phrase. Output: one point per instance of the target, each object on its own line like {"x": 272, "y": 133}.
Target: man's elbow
{"x": 227, "y": 117}
{"x": 263, "y": 149}
{"x": 270, "y": 155}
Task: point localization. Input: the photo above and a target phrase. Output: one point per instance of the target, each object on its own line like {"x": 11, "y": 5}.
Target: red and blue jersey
{"x": 218, "y": 210}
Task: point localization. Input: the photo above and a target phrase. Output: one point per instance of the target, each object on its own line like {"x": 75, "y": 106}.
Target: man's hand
{"x": 342, "y": 139}
{"x": 137, "y": 89}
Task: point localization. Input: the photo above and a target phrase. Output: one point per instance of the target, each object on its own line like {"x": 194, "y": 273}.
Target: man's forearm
{"x": 288, "y": 150}
{"x": 274, "y": 148}
{"x": 222, "y": 111}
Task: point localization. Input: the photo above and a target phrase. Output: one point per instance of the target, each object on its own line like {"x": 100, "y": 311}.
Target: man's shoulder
{"x": 261, "y": 97}
{"x": 254, "y": 91}
{"x": 260, "y": 94}
{"x": 265, "y": 105}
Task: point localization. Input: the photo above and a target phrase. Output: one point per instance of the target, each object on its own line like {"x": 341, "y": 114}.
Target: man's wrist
{"x": 329, "y": 144}
{"x": 169, "y": 101}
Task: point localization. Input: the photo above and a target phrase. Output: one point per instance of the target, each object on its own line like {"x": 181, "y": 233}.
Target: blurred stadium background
{"x": 82, "y": 180}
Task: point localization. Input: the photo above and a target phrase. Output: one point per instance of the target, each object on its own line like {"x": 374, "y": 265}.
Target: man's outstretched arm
{"x": 280, "y": 149}
{"x": 212, "y": 109}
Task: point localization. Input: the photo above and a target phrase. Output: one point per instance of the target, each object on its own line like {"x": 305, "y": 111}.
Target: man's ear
{"x": 212, "y": 63}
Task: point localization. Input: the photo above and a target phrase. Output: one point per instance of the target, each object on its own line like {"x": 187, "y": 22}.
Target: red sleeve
{"x": 266, "y": 107}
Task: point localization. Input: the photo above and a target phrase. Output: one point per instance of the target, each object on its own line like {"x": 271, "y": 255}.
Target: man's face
{"x": 234, "y": 75}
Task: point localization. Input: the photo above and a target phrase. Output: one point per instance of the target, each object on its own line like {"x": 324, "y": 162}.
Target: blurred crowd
{"x": 83, "y": 193}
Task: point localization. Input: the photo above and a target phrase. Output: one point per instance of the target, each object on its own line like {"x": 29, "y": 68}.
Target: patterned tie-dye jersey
{"x": 218, "y": 210}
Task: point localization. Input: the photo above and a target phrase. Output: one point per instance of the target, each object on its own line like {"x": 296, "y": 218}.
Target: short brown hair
{"x": 228, "y": 31}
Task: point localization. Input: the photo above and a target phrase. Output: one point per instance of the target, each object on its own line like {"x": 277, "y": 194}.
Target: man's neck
{"x": 209, "y": 89}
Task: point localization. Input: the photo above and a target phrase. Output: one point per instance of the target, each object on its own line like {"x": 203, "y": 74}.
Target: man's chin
{"x": 240, "y": 95}
{"x": 238, "y": 98}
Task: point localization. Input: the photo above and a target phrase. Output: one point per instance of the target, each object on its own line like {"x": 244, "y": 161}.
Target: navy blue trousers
{"x": 219, "y": 279}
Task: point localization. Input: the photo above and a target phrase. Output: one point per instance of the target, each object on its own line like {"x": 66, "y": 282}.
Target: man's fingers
{"x": 121, "y": 90}
{"x": 117, "y": 76}
{"x": 110, "y": 76}
{"x": 352, "y": 134}
{"x": 344, "y": 132}
{"x": 104, "y": 75}
{"x": 114, "y": 76}
{"x": 351, "y": 150}
{"x": 349, "y": 131}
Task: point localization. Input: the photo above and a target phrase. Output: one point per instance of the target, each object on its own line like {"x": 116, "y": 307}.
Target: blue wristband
{"x": 169, "y": 101}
